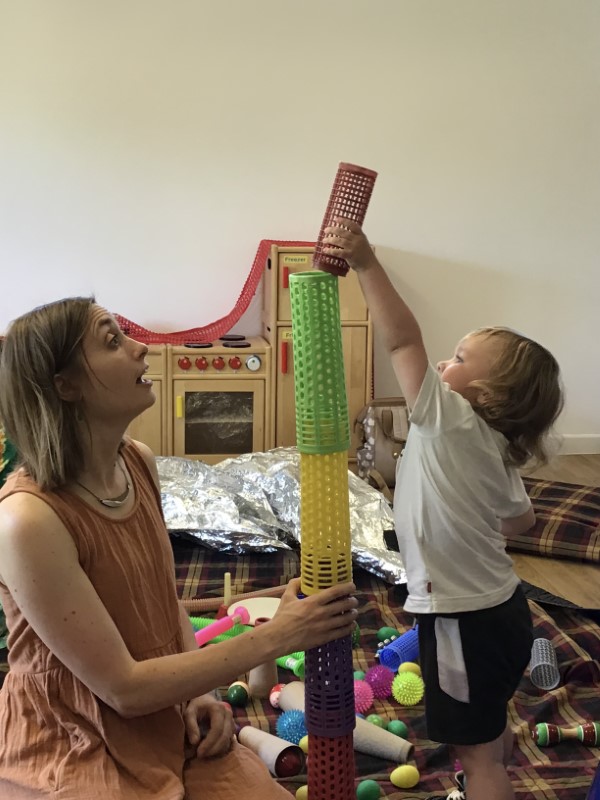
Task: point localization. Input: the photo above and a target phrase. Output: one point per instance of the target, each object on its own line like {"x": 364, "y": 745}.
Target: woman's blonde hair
{"x": 45, "y": 429}
{"x": 523, "y": 395}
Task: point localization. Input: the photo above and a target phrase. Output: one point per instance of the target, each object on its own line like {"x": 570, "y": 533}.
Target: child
{"x": 477, "y": 418}
{"x": 106, "y": 680}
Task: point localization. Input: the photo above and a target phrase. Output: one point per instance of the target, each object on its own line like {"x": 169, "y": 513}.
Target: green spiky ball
{"x": 408, "y": 688}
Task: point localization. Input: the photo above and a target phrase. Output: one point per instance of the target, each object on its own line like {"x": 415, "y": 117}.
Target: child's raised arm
{"x": 393, "y": 319}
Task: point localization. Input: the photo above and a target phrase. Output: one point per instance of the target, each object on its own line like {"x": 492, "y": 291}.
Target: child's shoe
{"x": 455, "y": 794}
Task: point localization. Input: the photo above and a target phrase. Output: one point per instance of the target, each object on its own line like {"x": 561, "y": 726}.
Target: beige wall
{"x": 146, "y": 147}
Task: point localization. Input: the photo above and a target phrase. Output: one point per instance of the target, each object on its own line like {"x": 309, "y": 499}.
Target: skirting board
{"x": 580, "y": 444}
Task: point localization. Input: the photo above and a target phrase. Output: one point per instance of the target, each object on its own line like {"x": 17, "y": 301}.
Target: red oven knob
{"x": 202, "y": 363}
{"x": 184, "y": 362}
{"x": 235, "y": 362}
{"x": 218, "y": 363}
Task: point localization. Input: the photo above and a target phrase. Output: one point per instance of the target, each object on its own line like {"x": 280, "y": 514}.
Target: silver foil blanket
{"x": 252, "y": 503}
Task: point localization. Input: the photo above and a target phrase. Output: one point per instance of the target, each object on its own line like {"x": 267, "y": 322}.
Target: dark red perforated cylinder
{"x": 331, "y": 768}
{"x": 349, "y": 198}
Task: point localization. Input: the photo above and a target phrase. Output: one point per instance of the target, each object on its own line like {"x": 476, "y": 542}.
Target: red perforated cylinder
{"x": 331, "y": 768}
{"x": 349, "y": 198}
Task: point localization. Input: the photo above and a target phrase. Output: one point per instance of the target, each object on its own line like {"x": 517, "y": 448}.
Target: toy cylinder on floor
{"x": 283, "y": 759}
{"x": 543, "y": 667}
{"x": 323, "y": 438}
{"x": 262, "y": 678}
{"x": 404, "y": 648}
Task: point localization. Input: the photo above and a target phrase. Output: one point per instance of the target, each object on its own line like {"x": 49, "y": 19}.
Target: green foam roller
{"x": 293, "y": 662}
{"x": 322, "y": 422}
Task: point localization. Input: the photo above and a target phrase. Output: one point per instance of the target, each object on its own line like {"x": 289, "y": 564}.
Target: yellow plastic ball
{"x": 302, "y": 793}
{"x": 303, "y": 744}
{"x": 410, "y": 666}
{"x": 405, "y": 776}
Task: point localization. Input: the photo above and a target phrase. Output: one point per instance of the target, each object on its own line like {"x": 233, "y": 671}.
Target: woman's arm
{"x": 41, "y": 569}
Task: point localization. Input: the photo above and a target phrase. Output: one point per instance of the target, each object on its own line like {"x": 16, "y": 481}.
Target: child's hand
{"x": 346, "y": 240}
{"x": 319, "y": 618}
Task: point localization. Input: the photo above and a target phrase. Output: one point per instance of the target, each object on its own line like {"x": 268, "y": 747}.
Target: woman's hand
{"x": 209, "y": 727}
{"x": 317, "y": 619}
{"x": 346, "y": 240}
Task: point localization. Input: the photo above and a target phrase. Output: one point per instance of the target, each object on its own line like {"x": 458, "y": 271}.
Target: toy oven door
{"x": 217, "y": 419}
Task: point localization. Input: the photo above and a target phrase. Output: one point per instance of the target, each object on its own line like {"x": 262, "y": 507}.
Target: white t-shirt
{"x": 452, "y": 490}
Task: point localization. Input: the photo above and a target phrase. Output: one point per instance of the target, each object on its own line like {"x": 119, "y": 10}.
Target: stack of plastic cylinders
{"x": 349, "y": 198}
{"x": 404, "y": 648}
{"x": 323, "y": 437}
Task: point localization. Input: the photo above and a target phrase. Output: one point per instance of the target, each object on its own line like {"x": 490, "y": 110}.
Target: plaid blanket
{"x": 563, "y": 772}
{"x": 567, "y": 521}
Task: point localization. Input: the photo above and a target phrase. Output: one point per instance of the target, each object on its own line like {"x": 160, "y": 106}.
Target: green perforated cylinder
{"x": 322, "y": 423}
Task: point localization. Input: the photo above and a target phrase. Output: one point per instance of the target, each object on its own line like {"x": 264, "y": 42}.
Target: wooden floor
{"x": 575, "y": 581}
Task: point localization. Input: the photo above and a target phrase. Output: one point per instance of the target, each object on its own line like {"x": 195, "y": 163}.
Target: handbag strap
{"x": 376, "y": 478}
{"x": 394, "y": 423}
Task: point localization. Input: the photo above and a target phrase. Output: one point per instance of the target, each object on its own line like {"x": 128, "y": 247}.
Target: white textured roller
{"x": 368, "y": 738}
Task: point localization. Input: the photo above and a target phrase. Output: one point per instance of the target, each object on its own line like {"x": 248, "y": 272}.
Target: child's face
{"x": 472, "y": 361}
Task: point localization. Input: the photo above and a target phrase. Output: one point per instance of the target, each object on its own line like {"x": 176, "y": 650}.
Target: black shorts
{"x": 472, "y": 663}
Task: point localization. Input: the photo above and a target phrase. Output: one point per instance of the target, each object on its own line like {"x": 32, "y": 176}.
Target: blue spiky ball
{"x": 291, "y": 726}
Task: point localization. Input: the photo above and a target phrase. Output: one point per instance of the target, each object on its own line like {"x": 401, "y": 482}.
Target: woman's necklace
{"x": 114, "y": 502}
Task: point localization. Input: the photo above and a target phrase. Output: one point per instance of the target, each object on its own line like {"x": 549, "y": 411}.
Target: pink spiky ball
{"x": 363, "y": 696}
{"x": 380, "y": 680}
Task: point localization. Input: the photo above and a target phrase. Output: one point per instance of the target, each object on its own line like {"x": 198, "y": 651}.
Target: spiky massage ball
{"x": 380, "y": 679}
{"x": 363, "y": 696}
{"x": 291, "y": 726}
{"x": 408, "y": 688}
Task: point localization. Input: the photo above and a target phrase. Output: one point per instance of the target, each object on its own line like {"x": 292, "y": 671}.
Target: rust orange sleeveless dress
{"x": 57, "y": 739}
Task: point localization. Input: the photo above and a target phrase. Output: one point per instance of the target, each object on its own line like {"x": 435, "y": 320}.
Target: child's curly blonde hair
{"x": 523, "y": 395}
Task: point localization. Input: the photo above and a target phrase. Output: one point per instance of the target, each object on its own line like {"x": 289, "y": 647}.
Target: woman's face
{"x": 113, "y": 387}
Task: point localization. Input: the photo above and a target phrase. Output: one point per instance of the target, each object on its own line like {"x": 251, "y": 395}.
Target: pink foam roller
{"x": 240, "y": 616}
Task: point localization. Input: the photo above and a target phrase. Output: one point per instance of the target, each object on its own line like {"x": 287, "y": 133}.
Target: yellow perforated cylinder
{"x": 326, "y": 557}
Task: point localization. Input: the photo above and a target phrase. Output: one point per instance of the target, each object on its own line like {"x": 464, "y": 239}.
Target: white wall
{"x": 146, "y": 146}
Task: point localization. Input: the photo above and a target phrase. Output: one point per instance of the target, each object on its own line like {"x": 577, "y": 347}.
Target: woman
{"x": 107, "y": 692}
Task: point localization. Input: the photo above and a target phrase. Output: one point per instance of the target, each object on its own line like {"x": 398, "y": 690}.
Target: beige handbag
{"x": 383, "y": 429}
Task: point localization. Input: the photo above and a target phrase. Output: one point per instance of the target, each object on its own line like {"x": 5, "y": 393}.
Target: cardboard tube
{"x": 368, "y": 738}
{"x": 263, "y": 678}
{"x": 283, "y": 759}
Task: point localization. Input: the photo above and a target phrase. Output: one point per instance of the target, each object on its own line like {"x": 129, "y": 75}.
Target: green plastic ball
{"x": 386, "y": 633}
{"x": 368, "y": 790}
{"x": 398, "y": 728}
{"x": 359, "y": 675}
{"x": 238, "y": 694}
{"x": 375, "y": 719}
{"x": 302, "y": 792}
